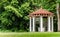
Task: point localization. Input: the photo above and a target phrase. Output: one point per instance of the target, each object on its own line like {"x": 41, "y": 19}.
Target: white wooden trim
{"x": 33, "y": 24}
{"x": 49, "y": 24}
{"x": 30, "y": 25}
{"x": 41, "y": 23}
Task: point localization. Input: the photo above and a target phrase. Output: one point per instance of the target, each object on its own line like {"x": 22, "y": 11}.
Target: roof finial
{"x": 41, "y": 7}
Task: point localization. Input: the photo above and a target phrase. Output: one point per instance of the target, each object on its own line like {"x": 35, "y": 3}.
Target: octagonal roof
{"x": 42, "y": 12}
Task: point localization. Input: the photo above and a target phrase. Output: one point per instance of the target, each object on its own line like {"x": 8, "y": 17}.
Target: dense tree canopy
{"x": 14, "y": 13}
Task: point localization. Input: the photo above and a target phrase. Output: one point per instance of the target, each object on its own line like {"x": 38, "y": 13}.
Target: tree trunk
{"x": 58, "y": 17}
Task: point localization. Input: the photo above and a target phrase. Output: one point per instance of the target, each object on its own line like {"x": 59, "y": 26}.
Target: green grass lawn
{"x": 30, "y": 34}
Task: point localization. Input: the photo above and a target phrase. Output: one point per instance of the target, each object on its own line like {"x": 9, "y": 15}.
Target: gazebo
{"x": 40, "y": 14}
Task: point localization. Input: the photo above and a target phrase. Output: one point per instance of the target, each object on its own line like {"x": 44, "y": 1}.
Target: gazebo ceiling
{"x": 41, "y": 12}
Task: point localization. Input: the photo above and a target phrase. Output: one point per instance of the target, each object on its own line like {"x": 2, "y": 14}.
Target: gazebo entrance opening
{"x": 45, "y": 23}
{"x": 37, "y": 24}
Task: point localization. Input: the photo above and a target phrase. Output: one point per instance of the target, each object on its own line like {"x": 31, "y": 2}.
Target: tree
{"x": 58, "y": 14}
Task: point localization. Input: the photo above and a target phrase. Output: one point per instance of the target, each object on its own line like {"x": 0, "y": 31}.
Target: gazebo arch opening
{"x": 37, "y": 24}
{"x": 41, "y": 20}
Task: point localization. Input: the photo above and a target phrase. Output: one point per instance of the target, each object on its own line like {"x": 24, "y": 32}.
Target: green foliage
{"x": 58, "y": 1}
{"x": 11, "y": 8}
{"x": 14, "y": 13}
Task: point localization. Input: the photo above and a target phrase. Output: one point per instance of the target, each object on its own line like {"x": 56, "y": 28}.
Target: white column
{"x": 30, "y": 25}
{"x": 41, "y": 23}
{"x": 52, "y": 24}
{"x": 49, "y": 24}
{"x": 33, "y": 24}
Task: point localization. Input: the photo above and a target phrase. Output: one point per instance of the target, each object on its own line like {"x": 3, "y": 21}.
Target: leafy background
{"x": 14, "y": 13}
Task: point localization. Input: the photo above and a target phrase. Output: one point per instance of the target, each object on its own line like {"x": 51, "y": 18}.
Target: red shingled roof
{"x": 41, "y": 12}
